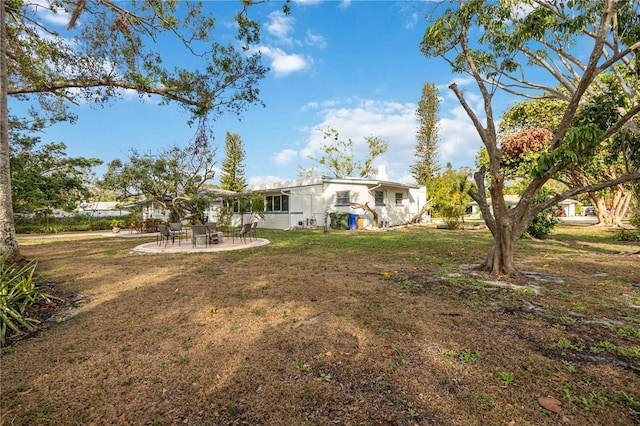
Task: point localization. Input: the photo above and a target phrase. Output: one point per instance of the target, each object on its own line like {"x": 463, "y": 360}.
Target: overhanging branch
{"x": 584, "y": 189}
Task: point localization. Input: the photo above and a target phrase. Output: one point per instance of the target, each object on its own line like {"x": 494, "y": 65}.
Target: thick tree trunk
{"x": 612, "y": 216}
{"x": 506, "y": 228}
{"x": 8, "y": 241}
{"x": 610, "y": 211}
{"x": 499, "y": 261}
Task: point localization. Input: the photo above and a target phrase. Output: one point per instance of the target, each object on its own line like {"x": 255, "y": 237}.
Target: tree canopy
{"x": 518, "y": 48}
{"x": 605, "y": 161}
{"x": 338, "y": 159}
{"x": 108, "y": 46}
{"x": 174, "y": 178}
{"x": 43, "y": 178}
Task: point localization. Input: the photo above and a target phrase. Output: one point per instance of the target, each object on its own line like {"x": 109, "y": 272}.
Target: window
{"x": 379, "y": 198}
{"x": 232, "y": 204}
{"x": 342, "y": 197}
{"x": 398, "y": 198}
{"x": 277, "y": 203}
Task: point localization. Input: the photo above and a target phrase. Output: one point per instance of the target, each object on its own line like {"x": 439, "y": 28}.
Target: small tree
{"x": 450, "y": 195}
{"x": 338, "y": 159}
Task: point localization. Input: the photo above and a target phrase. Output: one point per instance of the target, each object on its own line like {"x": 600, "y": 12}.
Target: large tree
{"x": 610, "y": 204}
{"x": 44, "y": 178}
{"x": 110, "y": 46}
{"x": 519, "y": 47}
{"x": 426, "y": 165}
{"x": 232, "y": 172}
{"x": 173, "y": 178}
{"x": 337, "y": 156}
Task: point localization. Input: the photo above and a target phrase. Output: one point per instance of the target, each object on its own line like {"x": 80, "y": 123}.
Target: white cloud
{"x": 344, "y": 4}
{"x": 283, "y": 63}
{"x": 43, "y": 9}
{"x": 411, "y": 22}
{"x": 307, "y": 2}
{"x": 459, "y": 140}
{"x": 396, "y": 123}
{"x": 262, "y": 180}
{"x": 280, "y": 26}
{"x": 285, "y": 157}
{"x": 391, "y": 121}
{"x": 315, "y": 40}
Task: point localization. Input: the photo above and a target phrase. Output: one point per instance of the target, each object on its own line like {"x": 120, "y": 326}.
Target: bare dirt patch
{"x": 338, "y": 328}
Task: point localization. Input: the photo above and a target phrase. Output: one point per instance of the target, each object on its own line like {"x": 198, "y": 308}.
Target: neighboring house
{"x": 308, "y": 202}
{"x": 102, "y": 209}
{"x": 474, "y": 210}
{"x": 568, "y": 206}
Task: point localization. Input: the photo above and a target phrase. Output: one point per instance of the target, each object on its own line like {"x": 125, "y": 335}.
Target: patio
{"x": 185, "y": 246}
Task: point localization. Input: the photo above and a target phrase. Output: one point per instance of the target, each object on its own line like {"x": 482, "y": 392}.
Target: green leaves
{"x": 172, "y": 177}
{"x": 44, "y": 178}
{"x": 115, "y": 47}
{"x": 18, "y": 292}
{"x": 338, "y": 159}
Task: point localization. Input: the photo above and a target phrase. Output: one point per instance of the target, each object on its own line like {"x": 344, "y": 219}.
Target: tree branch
{"x": 584, "y": 189}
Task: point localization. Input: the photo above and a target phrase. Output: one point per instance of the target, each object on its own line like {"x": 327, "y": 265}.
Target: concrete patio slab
{"x": 187, "y": 247}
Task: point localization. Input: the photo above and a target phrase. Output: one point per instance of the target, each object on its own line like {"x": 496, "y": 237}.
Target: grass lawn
{"x": 348, "y": 328}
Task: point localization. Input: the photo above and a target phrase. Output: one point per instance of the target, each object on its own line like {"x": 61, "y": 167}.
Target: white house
{"x": 309, "y": 202}
{"x": 102, "y": 209}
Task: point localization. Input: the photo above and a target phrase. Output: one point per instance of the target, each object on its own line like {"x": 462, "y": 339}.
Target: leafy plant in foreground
{"x": 18, "y": 292}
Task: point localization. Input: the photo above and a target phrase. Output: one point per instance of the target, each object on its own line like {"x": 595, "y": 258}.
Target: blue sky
{"x": 350, "y": 65}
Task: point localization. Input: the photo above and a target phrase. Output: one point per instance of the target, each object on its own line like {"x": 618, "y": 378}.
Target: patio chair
{"x": 178, "y": 230}
{"x": 242, "y": 232}
{"x": 254, "y": 230}
{"x": 199, "y": 231}
{"x": 164, "y": 233}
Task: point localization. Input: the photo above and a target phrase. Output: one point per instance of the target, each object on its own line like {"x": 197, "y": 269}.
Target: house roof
{"x": 515, "y": 199}
{"x": 100, "y": 205}
{"x": 296, "y": 183}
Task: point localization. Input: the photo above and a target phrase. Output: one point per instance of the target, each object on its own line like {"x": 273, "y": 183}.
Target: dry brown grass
{"x": 339, "y": 328}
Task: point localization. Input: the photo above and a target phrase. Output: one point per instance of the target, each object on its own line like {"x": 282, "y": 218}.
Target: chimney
{"x": 382, "y": 173}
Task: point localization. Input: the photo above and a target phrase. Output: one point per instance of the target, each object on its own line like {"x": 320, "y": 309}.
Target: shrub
{"x": 452, "y": 215}
{"x": 542, "y": 225}
{"x": 78, "y": 223}
{"x": 18, "y": 292}
{"x": 627, "y": 235}
{"x": 544, "y": 222}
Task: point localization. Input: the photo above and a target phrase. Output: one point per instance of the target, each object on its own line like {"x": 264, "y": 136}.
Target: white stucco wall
{"x": 311, "y": 201}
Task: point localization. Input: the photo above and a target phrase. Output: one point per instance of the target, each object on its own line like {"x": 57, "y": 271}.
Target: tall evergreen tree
{"x": 232, "y": 177}
{"x": 426, "y": 165}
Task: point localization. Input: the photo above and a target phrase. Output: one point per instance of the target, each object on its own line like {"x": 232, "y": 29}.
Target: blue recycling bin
{"x": 353, "y": 221}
